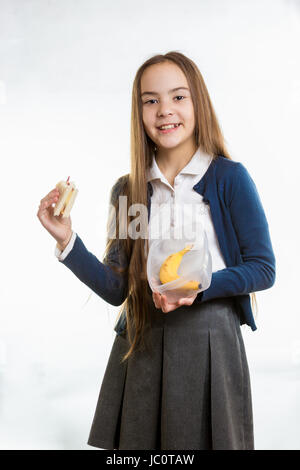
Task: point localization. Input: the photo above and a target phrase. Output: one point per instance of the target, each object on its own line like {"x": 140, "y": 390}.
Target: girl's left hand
{"x": 160, "y": 301}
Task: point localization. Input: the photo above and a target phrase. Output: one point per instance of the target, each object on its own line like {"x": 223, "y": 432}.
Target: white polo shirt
{"x": 172, "y": 207}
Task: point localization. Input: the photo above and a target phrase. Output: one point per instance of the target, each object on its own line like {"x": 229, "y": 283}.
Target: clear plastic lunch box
{"x": 195, "y": 264}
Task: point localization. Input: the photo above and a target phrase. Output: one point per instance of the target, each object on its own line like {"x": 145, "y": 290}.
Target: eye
{"x": 150, "y": 100}
{"x": 153, "y": 99}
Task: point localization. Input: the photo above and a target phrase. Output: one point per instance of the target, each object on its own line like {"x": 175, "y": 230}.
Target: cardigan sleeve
{"x": 99, "y": 276}
{"x": 257, "y": 270}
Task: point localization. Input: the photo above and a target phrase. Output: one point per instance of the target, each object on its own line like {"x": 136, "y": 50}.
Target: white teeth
{"x": 170, "y": 126}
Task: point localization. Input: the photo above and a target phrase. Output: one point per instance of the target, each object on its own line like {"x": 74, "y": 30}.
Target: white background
{"x": 66, "y": 74}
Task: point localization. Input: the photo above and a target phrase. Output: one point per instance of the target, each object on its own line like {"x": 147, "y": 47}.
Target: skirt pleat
{"x": 188, "y": 389}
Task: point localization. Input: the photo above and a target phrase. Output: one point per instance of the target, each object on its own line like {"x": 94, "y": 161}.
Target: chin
{"x": 170, "y": 145}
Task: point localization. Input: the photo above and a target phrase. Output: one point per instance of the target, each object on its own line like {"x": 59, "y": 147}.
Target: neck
{"x": 172, "y": 161}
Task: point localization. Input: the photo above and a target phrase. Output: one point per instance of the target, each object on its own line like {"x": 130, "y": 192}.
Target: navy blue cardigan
{"x": 242, "y": 231}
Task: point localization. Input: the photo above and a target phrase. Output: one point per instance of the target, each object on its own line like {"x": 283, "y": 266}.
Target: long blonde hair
{"x": 208, "y": 137}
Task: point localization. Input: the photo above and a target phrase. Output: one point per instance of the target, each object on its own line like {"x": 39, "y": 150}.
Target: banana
{"x": 168, "y": 270}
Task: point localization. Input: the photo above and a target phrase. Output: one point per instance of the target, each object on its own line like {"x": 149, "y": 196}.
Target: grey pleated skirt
{"x": 189, "y": 390}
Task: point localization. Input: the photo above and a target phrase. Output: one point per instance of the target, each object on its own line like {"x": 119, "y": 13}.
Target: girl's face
{"x": 162, "y": 104}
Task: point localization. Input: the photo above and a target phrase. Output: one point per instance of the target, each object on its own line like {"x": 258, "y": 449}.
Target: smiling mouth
{"x": 169, "y": 129}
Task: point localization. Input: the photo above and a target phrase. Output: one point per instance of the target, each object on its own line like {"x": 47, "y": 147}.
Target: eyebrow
{"x": 170, "y": 91}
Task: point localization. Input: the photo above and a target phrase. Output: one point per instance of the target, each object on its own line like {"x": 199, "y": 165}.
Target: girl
{"x": 177, "y": 376}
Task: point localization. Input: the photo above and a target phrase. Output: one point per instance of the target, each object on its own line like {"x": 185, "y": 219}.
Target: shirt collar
{"x": 196, "y": 166}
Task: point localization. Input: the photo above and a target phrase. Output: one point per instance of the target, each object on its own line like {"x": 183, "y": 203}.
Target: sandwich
{"x": 67, "y": 196}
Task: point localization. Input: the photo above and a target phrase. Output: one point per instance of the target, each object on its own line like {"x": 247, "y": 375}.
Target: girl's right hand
{"x": 60, "y": 228}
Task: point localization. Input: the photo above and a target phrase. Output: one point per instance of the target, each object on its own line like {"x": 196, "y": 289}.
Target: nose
{"x": 164, "y": 109}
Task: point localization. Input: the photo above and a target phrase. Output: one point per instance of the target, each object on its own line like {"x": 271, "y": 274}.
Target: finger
{"x": 156, "y": 299}
{"x": 159, "y": 299}
{"x": 172, "y": 306}
{"x": 175, "y": 305}
{"x": 48, "y": 200}
{"x": 164, "y": 303}
{"x": 187, "y": 300}
{"x": 44, "y": 203}
{"x": 44, "y": 206}
{"x": 53, "y": 199}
